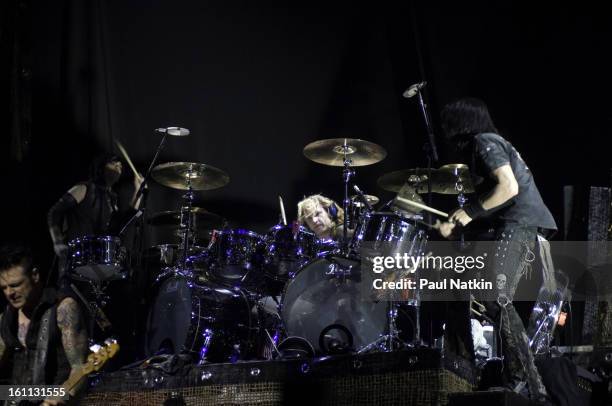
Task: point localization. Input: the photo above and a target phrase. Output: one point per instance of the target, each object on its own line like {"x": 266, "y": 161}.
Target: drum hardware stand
{"x": 185, "y": 221}
{"x": 97, "y": 314}
{"x": 461, "y": 200}
{"x": 390, "y": 341}
{"x": 347, "y": 172}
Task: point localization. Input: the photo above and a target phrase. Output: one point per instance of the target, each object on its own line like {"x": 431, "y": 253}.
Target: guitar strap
{"x": 42, "y": 345}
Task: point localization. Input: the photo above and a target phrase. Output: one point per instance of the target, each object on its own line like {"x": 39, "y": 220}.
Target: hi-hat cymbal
{"x": 449, "y": 179}
{"x": 200, "y": 219}
{"x": 331, "y": 152}
{"x": 180, "y": 175}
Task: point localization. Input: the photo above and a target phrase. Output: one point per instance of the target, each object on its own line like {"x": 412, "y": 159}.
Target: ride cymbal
{"x": 331, "y": 152}
{"x": 449, "y": 179}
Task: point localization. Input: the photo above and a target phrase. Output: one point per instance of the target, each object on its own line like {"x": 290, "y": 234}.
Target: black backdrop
{"x": 256, "y": 81}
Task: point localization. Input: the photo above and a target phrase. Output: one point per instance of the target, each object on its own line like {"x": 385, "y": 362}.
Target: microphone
{"x": 362, "y": 197}
{"x": 414, "y": 89}
{"x": 174, "y": 131}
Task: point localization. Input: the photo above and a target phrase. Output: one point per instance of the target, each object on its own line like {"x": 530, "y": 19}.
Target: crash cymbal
{"x": 178, "y": 175}
{"x": 446, "y": 180}
{"x": 331, "y": 152}
{"x": 394, "y": 181}
{"x": 200, "y": 218}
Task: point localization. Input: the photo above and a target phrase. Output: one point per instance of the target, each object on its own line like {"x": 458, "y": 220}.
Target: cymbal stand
{"x": 461, "y": 199}
{"x": 186, "y": 219}
{"x": 390, "y": 341}
{"x": 347, "y": 172}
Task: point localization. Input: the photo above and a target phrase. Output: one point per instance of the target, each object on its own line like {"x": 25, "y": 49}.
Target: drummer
{"x": 322, "y": 216}
{"x": 89, "y": 207}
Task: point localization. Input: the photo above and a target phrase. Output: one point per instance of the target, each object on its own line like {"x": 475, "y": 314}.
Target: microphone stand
{"x": 141, "y": 191}
{"x": 432, "y": 156}
{"x": 430, "y": 149}
{"x": 161, "y": 145}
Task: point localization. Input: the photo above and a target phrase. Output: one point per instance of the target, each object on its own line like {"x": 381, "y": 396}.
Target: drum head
{"x": 210, "y": 322}
{"x": 315, "y": 300}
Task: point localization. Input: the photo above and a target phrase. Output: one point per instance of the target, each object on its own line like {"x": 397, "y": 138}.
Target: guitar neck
{"x": 74, "y": 379}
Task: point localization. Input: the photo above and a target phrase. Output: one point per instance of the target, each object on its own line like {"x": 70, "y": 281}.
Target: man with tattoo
{"x": 43, "y": 338}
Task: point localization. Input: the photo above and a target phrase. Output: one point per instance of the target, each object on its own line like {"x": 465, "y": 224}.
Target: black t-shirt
{"x": 490, "y": 151}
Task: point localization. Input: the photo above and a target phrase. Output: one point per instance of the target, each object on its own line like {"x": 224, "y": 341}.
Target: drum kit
{"x": 287, "y": 292}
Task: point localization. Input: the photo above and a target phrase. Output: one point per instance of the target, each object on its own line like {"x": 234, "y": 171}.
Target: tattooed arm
{"x": 74, "y": 335}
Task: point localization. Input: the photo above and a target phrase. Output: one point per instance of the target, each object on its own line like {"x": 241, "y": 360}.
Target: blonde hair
{"x": 307, "y": 206}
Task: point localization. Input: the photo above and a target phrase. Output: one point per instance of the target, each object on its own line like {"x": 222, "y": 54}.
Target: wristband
{"x": 474, "y": 209}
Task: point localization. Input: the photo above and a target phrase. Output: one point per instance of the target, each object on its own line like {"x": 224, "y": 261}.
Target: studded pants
{"x": 514, "y": 250}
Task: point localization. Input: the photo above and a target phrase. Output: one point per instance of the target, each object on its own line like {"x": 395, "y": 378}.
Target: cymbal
{"x": 409, "y": 193}
{"x": 449, "y": 179}
{"x": 331, "y": 152}
{"x": 178, "y": 175}
{"x": 456, "y": 168}
{"x": 201, "y": 219}
{"x": 370, "y": 198}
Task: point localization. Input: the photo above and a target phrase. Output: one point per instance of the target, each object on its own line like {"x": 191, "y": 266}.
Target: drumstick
{"x": 282, "y": 209}
{"x": 422, "y": 206}
{"x": 127, "y": 159}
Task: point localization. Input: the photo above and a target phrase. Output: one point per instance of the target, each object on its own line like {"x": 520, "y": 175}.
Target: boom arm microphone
{"x": 174, "y": 131}
{"x": 414, "y": 89}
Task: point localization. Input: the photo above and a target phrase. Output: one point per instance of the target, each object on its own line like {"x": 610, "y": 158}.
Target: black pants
{"x": 514, "y": 250}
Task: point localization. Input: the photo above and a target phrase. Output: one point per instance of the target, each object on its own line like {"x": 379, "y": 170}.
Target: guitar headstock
{"x": 111, "y": 346}
{"x": 99, "y": 356}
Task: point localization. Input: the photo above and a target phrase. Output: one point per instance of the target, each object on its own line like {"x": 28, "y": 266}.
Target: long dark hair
{"x": 96, "y": 168}
{"x": 465, "y": 118}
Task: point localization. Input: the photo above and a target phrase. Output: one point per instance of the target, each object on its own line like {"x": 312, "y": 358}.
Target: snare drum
{"x": 389, "y": 233}
{"x": 96, "y": 259}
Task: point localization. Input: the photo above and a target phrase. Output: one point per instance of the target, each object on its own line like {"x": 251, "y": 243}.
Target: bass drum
{"x": 210, "y": 322}
{"x": 331, "y": 296}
